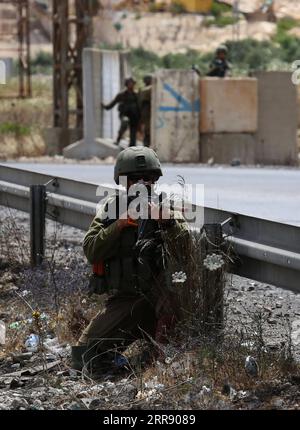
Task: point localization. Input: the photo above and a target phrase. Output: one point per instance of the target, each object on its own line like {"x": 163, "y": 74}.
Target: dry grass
{"x": 25, "y": 118}
{"x": 189, "y": 360}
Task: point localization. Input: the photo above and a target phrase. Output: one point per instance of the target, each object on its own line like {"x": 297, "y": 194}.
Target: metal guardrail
{"x": 267, "y": 251}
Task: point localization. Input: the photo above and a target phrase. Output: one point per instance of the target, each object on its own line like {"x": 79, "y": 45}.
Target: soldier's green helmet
{"x": 222, "y": 48}
{"x": 137, "y": 159}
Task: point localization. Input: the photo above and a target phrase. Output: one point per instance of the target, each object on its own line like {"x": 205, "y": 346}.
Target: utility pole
{"x": 21, "y": 31}
{"x": 72, "y": 32}
{"x": 236, "y": 23}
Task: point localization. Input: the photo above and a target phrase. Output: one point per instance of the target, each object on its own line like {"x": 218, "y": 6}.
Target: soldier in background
{"x": 145, "y": 108}
{"x": 220, "y": 67}
{"x": 129, "y": 111}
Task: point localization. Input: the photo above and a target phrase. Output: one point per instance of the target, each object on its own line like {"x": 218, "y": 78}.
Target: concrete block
{"x": 298, "y": 98}
{"x": 6, "y": 69}
{"x": 54, "y": 138}
{"x": 276, "y": 139}
{"x": 102, "y": 148}
{"x": 2, "y": 333}
{"x": 228, "y": 105}
{"x": 103, "y": 76}
{"x": 175, "y": 116}
{"x": 223, "y": 148}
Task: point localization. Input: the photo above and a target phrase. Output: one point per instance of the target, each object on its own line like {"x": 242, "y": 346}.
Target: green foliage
{"x": 114, "y": 47}
{"x": 221, "y": 15}
{"x": 144, "y": 62}
{"x": 141, "y": 58}
{"x": 220, "y": 21}
{"x": 43, "y": 59}
{"x": 157, "y": 7}
{"x": 290, "y": 45}
{"x": 118, "y": 26}
{"x": 290, "y": 48}
{"x": 251, "y": 54}
{"x": 42, "y": 63}
{"x": 245, "y": 56}
{"x": 14, "y": 128}
{"x": 286, "y": 24}
{"x": 219, "y": 9}
{"x": 177, "y": 8}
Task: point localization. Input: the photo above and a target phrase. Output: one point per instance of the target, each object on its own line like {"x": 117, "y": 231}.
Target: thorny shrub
{"x": 56, "y": 289}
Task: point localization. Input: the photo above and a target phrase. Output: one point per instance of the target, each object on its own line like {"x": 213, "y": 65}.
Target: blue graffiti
{"x": 160, "y": 123}
{"x": 183, "y": 104}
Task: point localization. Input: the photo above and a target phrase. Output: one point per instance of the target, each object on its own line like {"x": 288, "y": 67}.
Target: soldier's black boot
{"x": 86, "y": 359}
{"x": 77, "y": 357}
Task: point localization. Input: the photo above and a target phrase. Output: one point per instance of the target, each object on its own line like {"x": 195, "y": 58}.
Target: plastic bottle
{"x": 32, "y": 343}
{"x": 2, "y": 333}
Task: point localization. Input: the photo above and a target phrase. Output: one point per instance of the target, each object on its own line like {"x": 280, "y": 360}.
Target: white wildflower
{"x": 24, "y": 293}
{"x": 251, "y": 366}
{"x": 205, "y": 390}
{"x": 153, "y": 384}
{"x": 213, "y": 262}
{"x": 179, "y": 278}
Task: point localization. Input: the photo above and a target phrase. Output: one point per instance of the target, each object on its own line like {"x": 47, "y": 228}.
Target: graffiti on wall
{"x": 183, "y": 105}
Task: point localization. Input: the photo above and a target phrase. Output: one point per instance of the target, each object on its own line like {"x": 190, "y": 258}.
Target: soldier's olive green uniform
{"x": 220, "y": 67}
{"x": 135, "y": 277}
{"x": 145, "y": 106}
{"x": 131, "y": 310}
{"x": 129, "y": 113}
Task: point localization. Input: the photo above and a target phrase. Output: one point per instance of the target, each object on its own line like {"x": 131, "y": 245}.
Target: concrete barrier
{"x": 175, "y": 116}
{"x": 225, "y": 148}
{"x": 103, "y": 75}
{"x": 298, "y": 97}
{"x": 6, "y": 70}
{"x": 55, "y": 137}
{"x": 228, "y": 105}
{"x": 276, "y": 139}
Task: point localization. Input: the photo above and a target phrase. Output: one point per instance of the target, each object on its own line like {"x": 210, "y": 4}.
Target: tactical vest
{"x": 129, "y": 105}
{"x": 135, "y": 265}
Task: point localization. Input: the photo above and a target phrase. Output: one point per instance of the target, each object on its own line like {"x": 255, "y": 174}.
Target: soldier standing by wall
{"x": 220, "y": 67}
{"x": 129, "y": 112}
{"x": 145, "y": 107}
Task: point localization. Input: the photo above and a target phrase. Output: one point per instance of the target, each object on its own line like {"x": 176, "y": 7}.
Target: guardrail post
{"x": 37, "y": 223}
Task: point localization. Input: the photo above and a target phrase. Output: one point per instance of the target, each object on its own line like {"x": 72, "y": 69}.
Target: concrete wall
{"x": 298, "y": 97}
{"x": 6, "y": 69}
{"x": 103, "y": 76}
{"x": 53, "y": 138}
{"x": 276, "y": 139}
{"x": 228, "y": 105}
{"x": 224, "y": 148}
{"x": 175, "y": 116}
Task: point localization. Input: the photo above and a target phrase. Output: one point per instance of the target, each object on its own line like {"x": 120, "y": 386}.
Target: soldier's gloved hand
{"x": 125, "y": 221}
{"x": 161, "y": 213}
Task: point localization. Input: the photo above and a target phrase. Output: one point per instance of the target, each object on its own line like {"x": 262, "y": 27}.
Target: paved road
{"x": 270, "y": 193}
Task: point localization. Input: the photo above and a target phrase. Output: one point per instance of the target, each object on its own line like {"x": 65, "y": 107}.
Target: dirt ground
{"x": 52, "y": 302}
